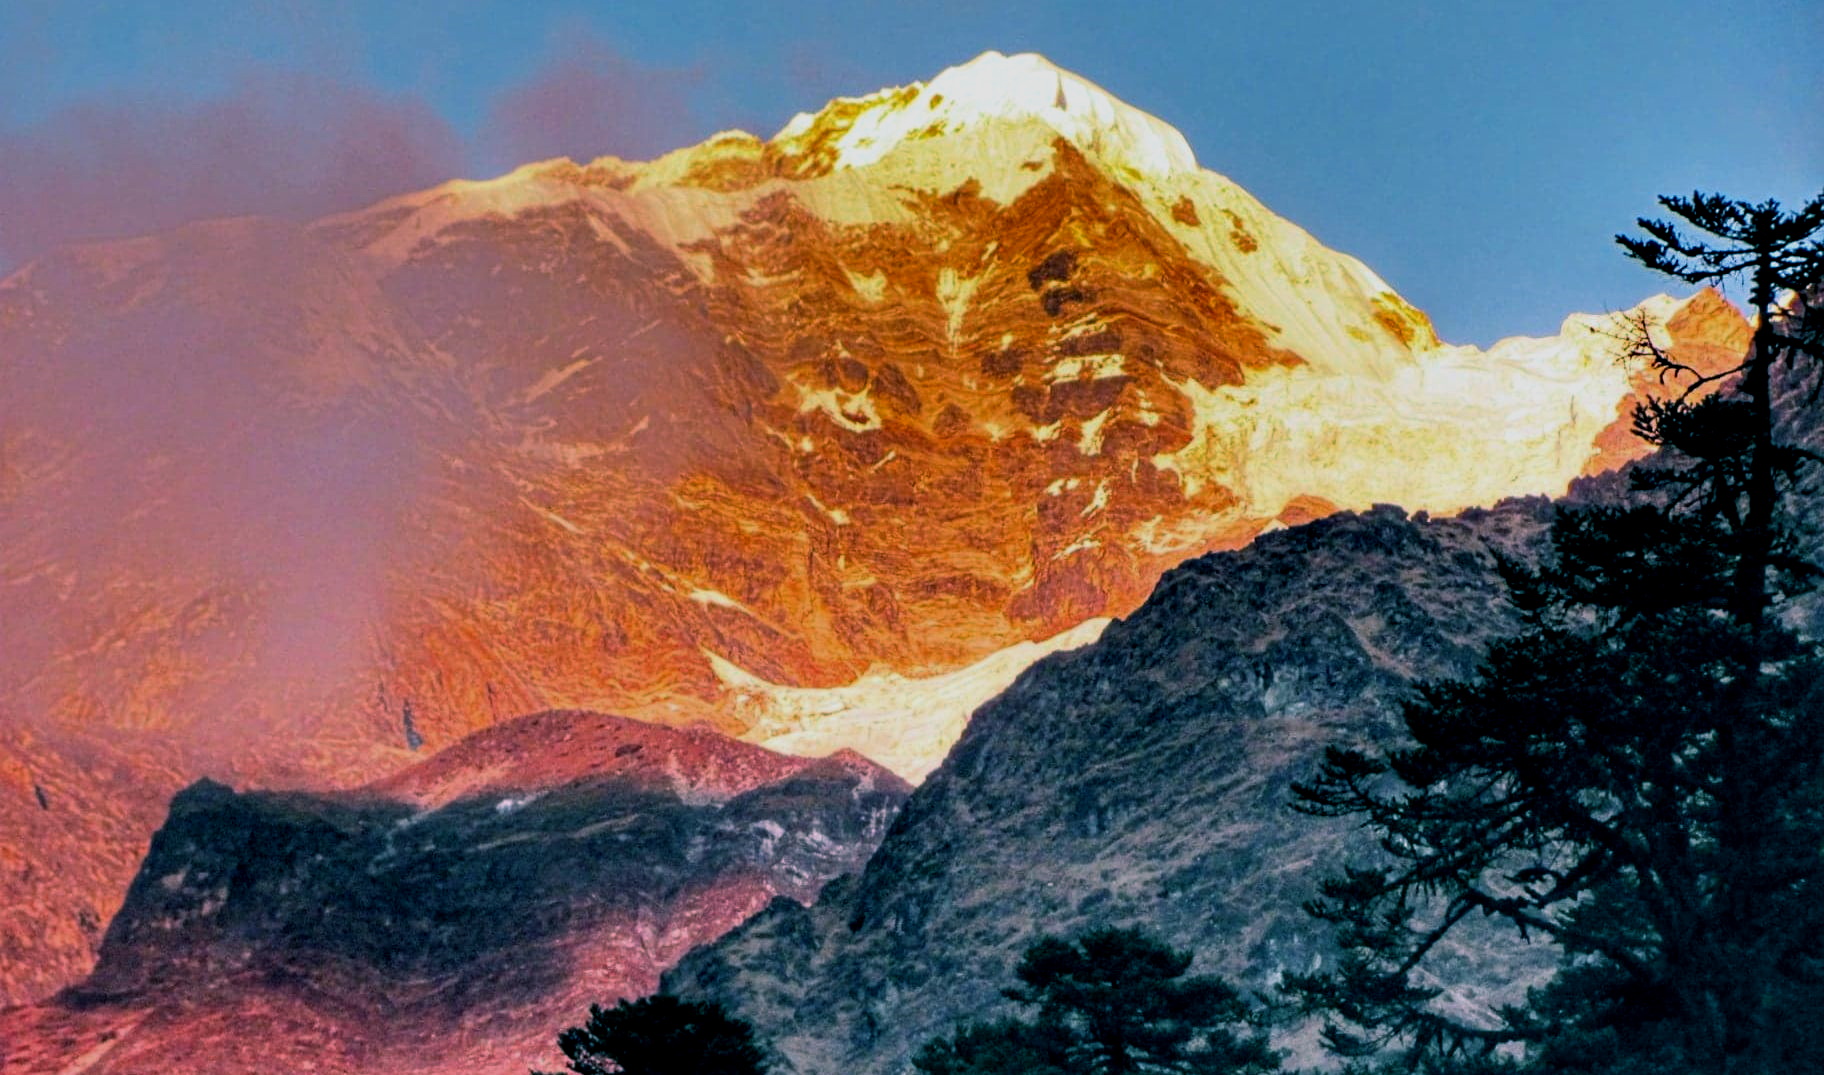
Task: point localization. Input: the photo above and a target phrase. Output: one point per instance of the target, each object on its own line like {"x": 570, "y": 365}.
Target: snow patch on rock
{"x": 904, "y": 723}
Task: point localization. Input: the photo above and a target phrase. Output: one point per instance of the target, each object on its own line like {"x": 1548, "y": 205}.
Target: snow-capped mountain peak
{"x": 855, "y": 132}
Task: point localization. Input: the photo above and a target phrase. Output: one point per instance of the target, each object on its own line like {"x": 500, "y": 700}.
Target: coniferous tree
{"x": 662, "y": 1035}
{"x": 996, "y": 1048}
{"x": 1638, "y": 777}
{"x": 1110, "y": 1002}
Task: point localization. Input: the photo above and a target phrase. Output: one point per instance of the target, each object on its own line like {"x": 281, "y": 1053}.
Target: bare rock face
{"x": 1143, "y": 780}
{"x": 933, "y": 375}
{"x": 78, "y": 807}
{"x": 451, "y": 918}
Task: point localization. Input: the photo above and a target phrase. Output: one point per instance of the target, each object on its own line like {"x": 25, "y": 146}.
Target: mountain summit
{"x": 994, "y": 88}
{"x": 819, "y": 440}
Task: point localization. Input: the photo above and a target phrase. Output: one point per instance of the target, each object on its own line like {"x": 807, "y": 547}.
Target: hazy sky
{"x": 1478, "y": 155}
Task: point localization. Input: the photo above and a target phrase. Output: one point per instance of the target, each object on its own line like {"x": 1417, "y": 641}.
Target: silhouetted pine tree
{"x": 1110, "y": 1002}
{"x": 662, "y": 1035}
{"x": 1638, "y": 777}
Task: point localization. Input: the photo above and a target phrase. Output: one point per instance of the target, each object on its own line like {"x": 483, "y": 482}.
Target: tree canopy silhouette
{"x": 1110, "y": 1002}
{"x": 1638, "y": 776}
{"x": 661, "y": 1035}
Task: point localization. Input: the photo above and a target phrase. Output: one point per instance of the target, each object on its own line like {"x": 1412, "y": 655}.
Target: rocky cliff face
{"x": 77, "y": 808}
{"x": 884, "y": 407}
{"x": 1142, "y": 780}
{"x": 452, "y": 918}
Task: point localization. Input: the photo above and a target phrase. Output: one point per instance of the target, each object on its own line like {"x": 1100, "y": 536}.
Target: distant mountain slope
{"x": 933, "y": 372}
{"x": 75, "y": 810}
{"x": 452, "y": 918}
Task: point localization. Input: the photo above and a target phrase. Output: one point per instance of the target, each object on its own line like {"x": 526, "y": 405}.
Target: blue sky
{"x": 1478, "y": 155}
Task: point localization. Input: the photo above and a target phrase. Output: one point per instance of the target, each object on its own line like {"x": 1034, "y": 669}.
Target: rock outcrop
{"x": 453, "y": 917}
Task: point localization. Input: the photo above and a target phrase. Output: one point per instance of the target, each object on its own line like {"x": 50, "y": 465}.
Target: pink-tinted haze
{"x": 590, "y": 101}
{"x": 292, "y": 146}
{"x": 298, "y": 146}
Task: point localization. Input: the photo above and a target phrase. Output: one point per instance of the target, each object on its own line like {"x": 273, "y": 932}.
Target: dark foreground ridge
{"x": 1142, "y": 780}
{"x": 362, "y": 932}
